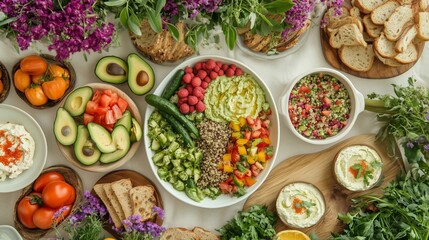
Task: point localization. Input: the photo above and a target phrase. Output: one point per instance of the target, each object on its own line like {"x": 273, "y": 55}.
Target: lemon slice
{"x": 292, "y": 235}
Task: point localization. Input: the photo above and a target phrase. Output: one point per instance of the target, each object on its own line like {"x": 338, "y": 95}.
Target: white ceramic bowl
{"x": 8, "y": 232}
{"x": 15, "y": 115}
{"x": 357, "y": 106}
{"x": 223, "y": 200}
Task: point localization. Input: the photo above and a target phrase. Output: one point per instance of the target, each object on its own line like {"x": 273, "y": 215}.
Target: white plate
{"x": 9, "y": 233}
{"x": 223, "y": 200}
{"x": 15, "y": 115}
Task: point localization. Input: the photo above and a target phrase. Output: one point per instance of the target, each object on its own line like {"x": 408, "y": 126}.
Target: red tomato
{"x": 101, "y": 110}
{"x": 116, "y": 111}
{"x": 46, "y": 178}
{"x": 114, "y": 99}
{"x": 57, "y": 193}
{"x": 70, "y": 201}
{"x": 87, "y": 118}
{"x": 110, "y": 118}
{"x": 91, "y": 107}
{"x": 43, "y": 217}
{"x": 27, "y": 207}
{"x": 96, "y": 96}
{"x": 122, "y": 104}
{"x": 105, "y": 100}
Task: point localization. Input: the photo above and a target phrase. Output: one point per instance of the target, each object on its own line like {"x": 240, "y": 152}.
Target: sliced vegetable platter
{"x": 176, "y": 132}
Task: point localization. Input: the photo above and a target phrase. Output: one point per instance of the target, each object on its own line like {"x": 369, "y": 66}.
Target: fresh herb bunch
{"x": 406, "y": 116}
{"x": 255, "y": 224}
{"x": 401, "y": 213}
{"x": 69, "y": 26}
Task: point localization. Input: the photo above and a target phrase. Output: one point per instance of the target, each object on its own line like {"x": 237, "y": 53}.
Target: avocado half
{"x": 141, "y": 77}
{"x": 112, "y": 69}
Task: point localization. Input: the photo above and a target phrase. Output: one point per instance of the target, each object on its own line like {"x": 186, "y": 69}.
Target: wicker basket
{"x": 6, "y": 82}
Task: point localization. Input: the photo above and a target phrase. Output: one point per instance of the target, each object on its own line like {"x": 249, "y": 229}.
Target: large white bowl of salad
{"x": 211, "y": 131}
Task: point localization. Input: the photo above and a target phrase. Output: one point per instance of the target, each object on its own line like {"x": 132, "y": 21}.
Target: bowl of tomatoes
{"x": 42, "y": 81}
{"x": 46, "y": 202}
{"x": 4, "y": 83}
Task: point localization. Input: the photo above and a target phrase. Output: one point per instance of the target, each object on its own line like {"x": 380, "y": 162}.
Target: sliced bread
{"x": 335, "y": 25}
{"x": 357, "y": 58}
{"x": 405, "y": 2}
{"x": 347, "y": 35}
{"x": 178, "y": 234}
{"x": 143, "y": 200}
{"x": 112, "y": 198}
{"x": 423, "y": 26}
{"x": 120, "y": 189}
{"x": 99, "y": 190}
{"x": 385, "y": 47}
{"x": 406, "y": 38}
{"x": 408, "y": 56}
{"x": 372, "y": 29}
{"x": 394, "y": 26}
{"x": 331, "y": 15}
{"x": 424, "y": 4}
{"x": 388, "y": 61}
{"x": 355, "y": 12}
{"x": 203, "y": 234}
{"x": 367, "y": 6}
{"x": 383, "y": 12}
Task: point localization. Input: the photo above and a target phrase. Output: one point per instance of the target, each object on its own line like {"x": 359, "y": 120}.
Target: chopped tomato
{"x": 91, "y": 107}
{"x": 255, "y": 170}
{"x": 250, "y": 120}
{"x": 249, "y": 181}
{"x": 110, "y": 117}
{"x": 108, "y": 92}
{"x": 229, "y": 147}
{"x": 96, "y": 97}
{"x": 225, "y": 187}
{"x": 87, "y": 118}
{"x": 256, "y": 134}
{"x": 105, "y": 100}
{"x": 326, "y": 113}
{"x": 116, "y": 111}
{"x": 235, "y": 157}
{"x": 101, "y": 110}
{"x": 122, "y": 104}
{"x": 257, "y": 124}
{"x": 247, "y": 134}
{"x": 327, "y": 101}
{"x": 99, "y": 119}
{"x": 114, "y": 99}
{"x": 239, "y": 174}
{"x": 304, "y": 89}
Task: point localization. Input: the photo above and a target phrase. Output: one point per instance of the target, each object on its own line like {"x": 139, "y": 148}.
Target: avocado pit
{"x": 87, "y": 151}
{"x": 115, "y": 69}
{"x": 142, "y": 78}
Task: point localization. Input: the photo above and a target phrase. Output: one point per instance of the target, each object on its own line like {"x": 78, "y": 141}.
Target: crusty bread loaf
{"x": 143, "y": 200}
{"x": 385, "y": 47}
{"x": 396, "y": 23}
{"x": 372, "y": 29}
{"x": 366, "y": 6}
{"x": 406, "y": 38}
{"x": 423, "y": 26}
{"x": 357, "y": 58}
{"x": 99, "y": 190}
{"x": 335, "y": 25}
{"x": 383, "y": 12}
{"x": 203, "y": 234}
{"x": 347, "y": 35}
{"x": 388, "y": 61}
{"x": 121, "y": 189}
{"x": 178, "y": 234}
{"x": 408, "y": 56}
{"x": 113, "y": 200}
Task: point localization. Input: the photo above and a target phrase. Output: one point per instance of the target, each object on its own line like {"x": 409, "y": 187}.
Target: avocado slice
{"x": 76, "y": 102}
{"x": 121, "y": 138}
{"x": 136, "y": 131}
{"x": 125, "y": 121}
{"x": 65, "y": 129}
{"x": 141, "y": 77}
{"x": 101, "y": 138}
{"x": 112, "y": 69}
{"x": 84, "y": 149}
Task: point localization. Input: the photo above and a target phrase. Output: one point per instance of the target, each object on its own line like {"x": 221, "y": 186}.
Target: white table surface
{"x": 276, "y": 73}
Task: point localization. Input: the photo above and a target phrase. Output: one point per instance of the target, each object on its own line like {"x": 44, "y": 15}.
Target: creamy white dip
{"x": 300, "y": 205}
{"x": 16, "y": 150}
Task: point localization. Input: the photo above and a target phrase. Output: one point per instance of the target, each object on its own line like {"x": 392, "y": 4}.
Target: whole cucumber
{"x": 166, "y": 106}
{"x": 178, "y": 128}
{"x": 173, "y": 84}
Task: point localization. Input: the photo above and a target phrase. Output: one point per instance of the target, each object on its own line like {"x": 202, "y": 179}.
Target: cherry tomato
{"x": 27, "y": 207}
{"x": 55, "y": 88}
{"x": 57, "y": 193}
{"x": 34, "y": 65}
{"x": 43, "y": 217}
{"x": 58, "y": 71}
{"x": 36, "y": 96}
{"x": 46, "y": 178}
{"x": 21, "y": 80}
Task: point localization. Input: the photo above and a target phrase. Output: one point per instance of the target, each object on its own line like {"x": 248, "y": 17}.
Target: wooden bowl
{"x": 49, "y": 59}
{"x": 68, "y": 151}
{"x": 6, "y": 82}
{"x": 72, "y": 178}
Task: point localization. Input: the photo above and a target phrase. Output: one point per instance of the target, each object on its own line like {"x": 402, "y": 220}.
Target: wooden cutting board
{"x": 317, "y": 169}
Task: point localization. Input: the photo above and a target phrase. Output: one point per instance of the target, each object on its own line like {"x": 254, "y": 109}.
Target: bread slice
{"x": 99, "y": 190}
{"x": 372, "y": 29}
{"x": 143, "y": 200}
{"x": 406, "y": 38}
{"x": 357, "y": 58}
{"x": 385, "y": 47}
{"x": 178, "y": 234}
{"x": 203, "y": 234}
{"x": 121, "y": 189}
{"x": 112, "y": 198}
{"x": 424, "y": 4}
{"x": 394, "y": 26}
{"x": 383, "y": 12}
{"x": 388, "y": 61}
{"x": 423, "y": 26}
{"x": 409, "y": 56}
{"x": 355, "y": 12}
{"x": 405, "y": 2}
{"x": 347, "y": 35}
{"x": 335, "y": 25}
{"x": 330, "y": 14}
{"x": 367, "y": 6}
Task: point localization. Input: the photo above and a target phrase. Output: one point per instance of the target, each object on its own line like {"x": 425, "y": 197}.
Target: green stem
{"x": 376, "y": 106}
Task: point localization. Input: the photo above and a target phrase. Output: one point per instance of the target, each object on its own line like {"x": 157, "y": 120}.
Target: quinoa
{"x": 214, "y": 137}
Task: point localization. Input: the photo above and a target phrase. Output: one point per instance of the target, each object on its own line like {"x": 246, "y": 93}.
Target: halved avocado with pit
{"x": 112, "y": 69}
{"x": 121, "y": 139}
{"x": 141, "y": 77}
{"x": 76, "y": 101}
{"x": 65, "y": 129}
{"x": 84, "y": 148}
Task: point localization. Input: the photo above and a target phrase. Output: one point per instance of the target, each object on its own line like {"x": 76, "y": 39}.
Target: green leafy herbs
{"x": 255, "y": 224}
{"x": 402, "y": 212}
{"x": 91, "y": 227}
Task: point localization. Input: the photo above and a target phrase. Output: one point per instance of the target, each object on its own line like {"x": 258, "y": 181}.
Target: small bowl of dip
{"x": 358, "y": 167}
{"x": 300, "y": 205}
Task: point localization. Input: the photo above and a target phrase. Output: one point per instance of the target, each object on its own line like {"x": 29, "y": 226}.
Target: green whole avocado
{"x": 141, "y": 77}
{"x": 112, "y": 69}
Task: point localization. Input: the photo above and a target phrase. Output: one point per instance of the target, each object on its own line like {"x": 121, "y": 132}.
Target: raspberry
{"x": 225, "y": 67}
{"x": 197, "y": 66}
{"x": 188, "y": 69}
{"x": 238, "y": 72}
{"x": 207, "y": 79}
{"x": 213, "y": 75}
{"x": 216, "y": 69}
{"x": 187, "y": 78}
{"x": 204, "y": 85}
{"x": 183, "y": 92}
{"x": 196, "y": 81}
{"x": 191, "y": 109}
{"x": 210, "y": 64}
{"x": 192, "y": 100}
{"x": 233, "y": 67}
{"x": 202, "y": 74}
{"x": 184, "y": 108}
{"x": 229, "y": 72}
{"x": 189, "y": 88}
{"x": 221, "y": 72}
{"x": 200, "y": 107}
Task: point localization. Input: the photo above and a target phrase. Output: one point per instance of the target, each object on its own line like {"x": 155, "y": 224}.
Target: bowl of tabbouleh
{"x": 321, "y": 106}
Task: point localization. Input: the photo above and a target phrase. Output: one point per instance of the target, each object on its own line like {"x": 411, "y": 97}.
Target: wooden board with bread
{"x": 376, "y": 39}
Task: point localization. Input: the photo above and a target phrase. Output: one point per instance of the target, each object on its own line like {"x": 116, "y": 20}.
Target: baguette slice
{"x": 409, "y": 56}
{"x": 395, "y": 25}
{"x": 423, "y": 26}
{"x": 203, "y": 234}
{"x": 373, "y": 30}
{"x": 357, "y": 58}
{"x": 120, "y": 189}
{"x": 331, "y": 16}
{"x": 347, "y": 35}
{"x": 335, "y": 25}
{"x": 99, "y": 190}
{"x": 388, "y": 61}
{"x": 178, "y": 234}
{"x": 406, "y": 38}
{"x": 355, "y": 12}
{"x": 405, "y": 2}
{"x": 115, "y": 203}
{"x": 383, "y": 12}
{"x": 367, "y": 6}
{"x": 143, "y": 199}
{"x": 385, "y": 47}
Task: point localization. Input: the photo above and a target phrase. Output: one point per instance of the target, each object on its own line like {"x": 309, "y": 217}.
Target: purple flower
{"x": 427, "y": 117}
{"x": 159, "y": 211}
{"x": 410, "y": 145}
{"x": 426, "y": 147}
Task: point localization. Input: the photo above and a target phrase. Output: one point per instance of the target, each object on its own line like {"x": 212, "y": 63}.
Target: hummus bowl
{"x": 223, "y": 199}
{"x": 14, "y": 115}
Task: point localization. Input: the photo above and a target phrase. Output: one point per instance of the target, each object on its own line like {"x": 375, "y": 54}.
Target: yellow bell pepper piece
{"x": 242, "y": 121}
{"x": 242, "y": 150}
{"x": 250, "y": 159}
{"x": 227, "y": 157}
{"x": 242, "y": 141}
{"x": 266, "y": 140}
{"x": 234, "y": 126}
{"x": 228, "y": 168}
{"x": 261, "y": 156}
{"x": 236, "y": 135}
